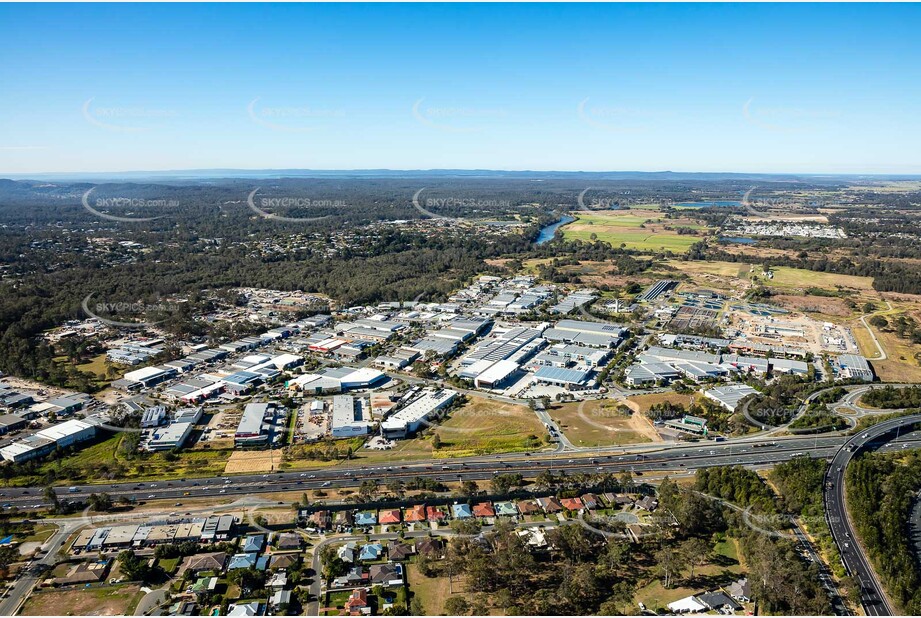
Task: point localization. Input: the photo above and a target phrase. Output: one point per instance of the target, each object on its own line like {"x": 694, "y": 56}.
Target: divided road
{"x": 677, "y": 458}
{"x": 873, "y": 597}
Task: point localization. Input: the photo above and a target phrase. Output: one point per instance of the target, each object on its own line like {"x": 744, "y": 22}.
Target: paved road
{"x": 863, "y": 319}
{"x": 873, "y": 597}
{"x": 28, "y": 578}
{"x": 665, "y": 457}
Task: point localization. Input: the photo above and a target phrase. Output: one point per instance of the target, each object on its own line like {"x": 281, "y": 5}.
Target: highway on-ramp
{"x": 872, "y": 595}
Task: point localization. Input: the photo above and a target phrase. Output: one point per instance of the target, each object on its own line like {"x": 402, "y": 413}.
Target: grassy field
{"x": 785, "y": 277}
{"x": 598, "y": 423}
{"x": 723, "y": 569}
{"x": 103, "y": 459}
{"x": 484, "y": 426}
{"x": 642, "y": 403}
{"x": 93, "y": 601}
{"x": 642, "y": 230}
{"x": 432, "y": 591}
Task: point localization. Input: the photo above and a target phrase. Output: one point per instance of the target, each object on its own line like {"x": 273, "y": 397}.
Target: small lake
{"x": 547, "y": 232}
{"x": 738, "y": 239}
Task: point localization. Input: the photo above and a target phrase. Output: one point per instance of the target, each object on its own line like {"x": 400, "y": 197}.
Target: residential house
{"x": 280, "y": 600}
{"x": 414, "y": 514}
{"x": 253, "y": 543}
{"x": 357, "y": 602}
{"x": 528, "y": 507}
{"x": 388, "y": 574}
{"x": 365, "y": 518}
{"x": 550, "y": 505}
{"x": 214, "y": 561}
{"x": 347, "y": 552}
{"x": 462, "y": 511}
{"x": 432, "y": 548}
{"x": 389, "y": 516}
{"x": 572, "y": 504}
{"x": 371, "y": 551}
{"x": 399, "y": 551}
{"x": 506, "y": 509}
{"x": 483, "y": 509}
{"x": 355, "y": 577}
{"x": 289, "y": 540}
{"x": 591, "y": 501}
{"x": 435, "y": 513}
{"x": 740, "y": 590}
{"x": 717, "y": 601}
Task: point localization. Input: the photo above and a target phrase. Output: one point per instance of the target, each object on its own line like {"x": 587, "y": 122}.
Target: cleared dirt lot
{"x": 253, "y": 461}
{"x": 94, "y": 601}
{"x": 599, "y": 423}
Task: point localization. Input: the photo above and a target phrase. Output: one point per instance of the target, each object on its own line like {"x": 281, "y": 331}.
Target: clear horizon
{"x": 724, "y": 88}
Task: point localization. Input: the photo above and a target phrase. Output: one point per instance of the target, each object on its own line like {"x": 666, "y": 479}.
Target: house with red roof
{"x": 435, "y": 513}
{"x": 414, "y": 514}
{"x": 483, "y": 509}
{"x": 357, "y": 601}
{"x": 389, "y": 516}
{"x": 572, "y": 504}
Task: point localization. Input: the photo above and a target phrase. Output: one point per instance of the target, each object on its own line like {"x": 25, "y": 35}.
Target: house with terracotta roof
{"x": 591, "y": 501}
{"x": 483, "y": 509}
{"x": 389, "y": 516}
{"x": 572, "y": 504}
{"x": 550, "y": 505}
{"x": 435, "y": 513}
{"x": 414, "y": 514}
{"x": 528, "y": 507}
{"x": 357, "y": 602}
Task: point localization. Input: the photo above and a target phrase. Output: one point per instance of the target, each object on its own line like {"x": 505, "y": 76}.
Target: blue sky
{"x": 712, "y": 87}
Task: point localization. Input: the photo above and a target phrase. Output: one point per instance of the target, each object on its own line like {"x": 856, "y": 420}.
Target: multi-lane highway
{"x": 883, "y": 435}
{"x": 677, "y": 458}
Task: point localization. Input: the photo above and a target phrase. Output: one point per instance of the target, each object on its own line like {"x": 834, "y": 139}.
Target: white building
{"x": 348, "y": 417}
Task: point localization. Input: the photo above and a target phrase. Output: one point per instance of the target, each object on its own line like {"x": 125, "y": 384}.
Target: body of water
{"x": 738, "y": 239}
{"x": 547, "y": 232}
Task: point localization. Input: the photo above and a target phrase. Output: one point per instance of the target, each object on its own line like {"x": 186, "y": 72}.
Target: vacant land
{"x": 785, "y": 277}
{"x": 433, "y": 591}
{"x": 600, "y": 423}
{"x": 484, "y": 426}
{"x": 104, "y": 460}
{"x": 93, "y": 601}
{"x": 253, "y": 461}
{"x": 643, "y": 230}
